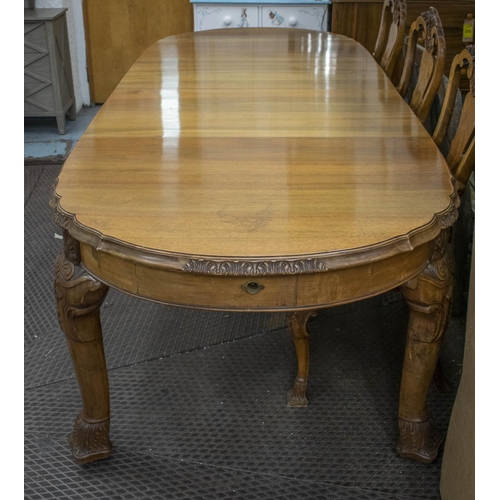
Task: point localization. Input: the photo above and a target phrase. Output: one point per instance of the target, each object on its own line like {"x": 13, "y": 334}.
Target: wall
{"x": 77, "y": 48}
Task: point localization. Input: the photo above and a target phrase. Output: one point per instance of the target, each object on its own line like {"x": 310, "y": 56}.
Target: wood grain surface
{"x": 255, "y": 143}
{"x": 118, "y": 31}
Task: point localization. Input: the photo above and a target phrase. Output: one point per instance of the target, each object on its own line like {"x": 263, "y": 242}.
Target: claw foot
{"x": 296, "y": 397}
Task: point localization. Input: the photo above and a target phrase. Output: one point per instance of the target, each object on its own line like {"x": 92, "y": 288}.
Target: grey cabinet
{"x": 48, "y": 80}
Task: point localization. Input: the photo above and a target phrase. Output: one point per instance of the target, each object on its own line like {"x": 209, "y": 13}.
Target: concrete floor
{"x": 44, "y": 145}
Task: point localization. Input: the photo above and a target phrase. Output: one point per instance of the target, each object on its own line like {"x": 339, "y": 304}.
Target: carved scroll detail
{"x": 262, "y": 268}
{"x": 398, "y": 11}
{"x": 450, "y": 217}
{"x": 433, "y": 29}
{"x": 77, "y": 293}
{"x": 89, "y": 441}
{"x": 471, "y": 70}
{"x": 297, "y": 322}
{"x": 418, "y": 440}
{"x": 435, "y": 282}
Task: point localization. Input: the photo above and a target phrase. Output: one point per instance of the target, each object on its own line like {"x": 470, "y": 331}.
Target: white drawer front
{"x": 301, "y": 16}
{"x": 225, "y": 16}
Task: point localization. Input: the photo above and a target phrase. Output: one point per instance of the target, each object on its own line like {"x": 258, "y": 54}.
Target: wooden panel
{"x": 118, "y": 31}
{"x": 358, "y": 20}
{"x": 282, "y": 292}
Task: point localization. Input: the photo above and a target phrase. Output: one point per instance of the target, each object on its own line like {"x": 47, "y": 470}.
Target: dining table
{"x": 262, "y": 170}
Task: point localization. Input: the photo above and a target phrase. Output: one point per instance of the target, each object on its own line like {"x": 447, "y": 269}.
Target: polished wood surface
{"x": 256, "y": 144}
{"x": 262, "y": 170}
{"x": 118, "y": 31}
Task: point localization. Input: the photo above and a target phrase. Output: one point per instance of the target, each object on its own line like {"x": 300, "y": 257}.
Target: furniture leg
{"x": 61, "y": 123}
{"x": 79, "y": 297}
{"x": 428, "y": 296}
{"x": 72, "y": 111}
{"x": 297, "y": 323}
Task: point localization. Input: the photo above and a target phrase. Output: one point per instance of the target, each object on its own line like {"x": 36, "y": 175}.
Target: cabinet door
{"x": 38, "y": 88}
{"x": 299, "y": 16}
{"x": 117, "y": 32}
{"x": 225, "y": 16}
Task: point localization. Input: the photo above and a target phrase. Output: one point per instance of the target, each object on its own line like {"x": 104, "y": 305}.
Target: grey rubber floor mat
{"x": 199, "y": 398}
{"x": 51, "y": 474}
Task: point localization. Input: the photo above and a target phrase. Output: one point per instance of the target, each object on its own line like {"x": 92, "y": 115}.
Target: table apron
{"x": 278, "y": 292}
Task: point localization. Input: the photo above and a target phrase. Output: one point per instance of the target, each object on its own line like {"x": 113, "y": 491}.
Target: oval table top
{"x": 256, "y": 144}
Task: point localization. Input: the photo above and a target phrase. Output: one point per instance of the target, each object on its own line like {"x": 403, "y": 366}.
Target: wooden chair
{"x": 428, "y": 28}
{"x": 460, "y": 157}
{"x": 391, "y": 35}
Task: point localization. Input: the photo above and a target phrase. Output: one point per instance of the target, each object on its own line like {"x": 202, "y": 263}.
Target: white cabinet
{"x": 222, "y": 14}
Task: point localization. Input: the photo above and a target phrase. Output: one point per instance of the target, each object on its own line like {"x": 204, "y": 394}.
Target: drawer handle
{"x": 252, "y": 287}
{"x": 227, "y": 20}
{"x": 292, "y": 21}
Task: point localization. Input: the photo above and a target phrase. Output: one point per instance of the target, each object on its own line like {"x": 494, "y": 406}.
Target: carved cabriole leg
{"x": 79, "y": 297}
{"x": 297, "y": 323}
{"x": 428, "y": 296}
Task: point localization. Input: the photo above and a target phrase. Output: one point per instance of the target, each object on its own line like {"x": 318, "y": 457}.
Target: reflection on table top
{"x": 255, "y": 143}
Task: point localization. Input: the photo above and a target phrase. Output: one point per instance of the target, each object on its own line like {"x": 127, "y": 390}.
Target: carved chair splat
{"x": 391, "y": 34}
{"x": 429, "y": 28}
{"x": 460, "y": 157}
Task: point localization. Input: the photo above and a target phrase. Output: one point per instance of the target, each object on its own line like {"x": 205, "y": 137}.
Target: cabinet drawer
{"x": 300, "y": 16}
{"x": 225, "y": 16}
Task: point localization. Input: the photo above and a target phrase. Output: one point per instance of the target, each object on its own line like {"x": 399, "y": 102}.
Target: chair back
{"x": 391, "y": 35}
{"x": 460, "y": 157}
{"x": 428, "y": 28}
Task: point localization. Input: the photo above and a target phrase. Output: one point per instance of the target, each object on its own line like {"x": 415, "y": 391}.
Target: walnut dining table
{"x": 255, "y": 170}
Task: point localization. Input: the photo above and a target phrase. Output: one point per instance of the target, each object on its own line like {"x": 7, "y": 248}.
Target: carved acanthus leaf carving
{"x": 441, "y": 264}
{"x": 260, "y": 268}
{"x": 418, "y": 440}
{"x": 430, "y": 292}
{"x": 433, "y": 29}
{"x": 89, "y": 439}
{"x": 399, "y": 11}
{"x": 450, "y": 217}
